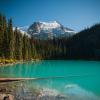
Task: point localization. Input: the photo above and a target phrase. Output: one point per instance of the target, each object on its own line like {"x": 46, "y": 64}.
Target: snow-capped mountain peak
{"x": 49, "y": 25}
{"x": 45, "y": 30}
{"x": 49, "y": 30}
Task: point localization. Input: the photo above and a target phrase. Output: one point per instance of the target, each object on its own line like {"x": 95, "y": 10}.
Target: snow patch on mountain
{"x": 49, "y": 30}
{"x": 23, "y": 30}
{"x": 49, "y": 25}
{"x": 46, "y": 30}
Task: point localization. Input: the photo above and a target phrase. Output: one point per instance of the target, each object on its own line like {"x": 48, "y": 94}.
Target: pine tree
{"x": 5, "y": 38}
{"x": 33, "y": 48}
{"x": 25, "y": 48}
{"x": 18, "y": 45}
{"x": 1, "y": 34}
{"x": 29, "y": 48}
{"x": 11, "y": 39}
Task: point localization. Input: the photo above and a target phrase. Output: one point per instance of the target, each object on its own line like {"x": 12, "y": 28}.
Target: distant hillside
{"x": 85, "y": 44}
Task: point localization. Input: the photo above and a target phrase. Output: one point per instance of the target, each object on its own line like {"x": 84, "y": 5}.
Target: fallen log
{"x": 14, "y": 79}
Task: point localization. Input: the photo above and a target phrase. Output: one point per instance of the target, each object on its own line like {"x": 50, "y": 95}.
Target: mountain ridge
{"x": 45, "y": 30}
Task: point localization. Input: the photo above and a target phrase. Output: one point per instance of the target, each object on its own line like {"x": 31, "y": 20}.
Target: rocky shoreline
{"x": 22, "y": 91}
{"x": 19, "y": 91}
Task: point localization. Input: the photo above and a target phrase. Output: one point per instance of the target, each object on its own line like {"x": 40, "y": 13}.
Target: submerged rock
{"x": 6, "y": 97}
{"x": 22, "y": 91}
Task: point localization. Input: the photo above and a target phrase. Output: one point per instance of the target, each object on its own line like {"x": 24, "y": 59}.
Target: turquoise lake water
{"x": 61, "y": 75}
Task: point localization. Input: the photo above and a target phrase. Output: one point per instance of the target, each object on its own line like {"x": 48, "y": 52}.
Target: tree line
{"x": 13, "y": 44}
{"x": 18, "y": 46}
{"x": 85, "y": 44}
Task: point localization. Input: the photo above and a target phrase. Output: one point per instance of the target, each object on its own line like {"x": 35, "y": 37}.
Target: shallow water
{"x": 67, "y": 77}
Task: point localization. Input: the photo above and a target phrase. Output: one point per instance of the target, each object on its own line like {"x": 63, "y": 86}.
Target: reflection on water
{"x": 67, "y": 77}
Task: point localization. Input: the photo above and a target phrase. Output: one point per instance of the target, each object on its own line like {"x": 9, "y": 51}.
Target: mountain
{"x": 83, "y": 45}
{"x": 47, "y": 30}
{"x": 23, "y": 30}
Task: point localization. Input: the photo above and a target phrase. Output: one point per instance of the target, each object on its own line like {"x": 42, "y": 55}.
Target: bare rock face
{"x": 34, "y": 28}
{"x": 45, "y": 30}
